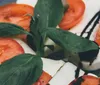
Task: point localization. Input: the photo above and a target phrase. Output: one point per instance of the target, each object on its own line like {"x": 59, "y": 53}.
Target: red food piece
{"x": 44, "y": 79}
{"x": 17, "y": 14}
{"x": 9, "y": 48}
{"x": 88, "y": 80}
{"x": 97, "y": 37}
{"x": 73, "y": 15}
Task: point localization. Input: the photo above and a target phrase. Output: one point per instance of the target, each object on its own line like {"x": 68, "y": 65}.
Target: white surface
{"x": 65, "y": 75}
{"x": 52, "y": 66}
{"x": 49, "y": 66}
{"x": 26, "y": 48}
{"x": 30, "y": 2}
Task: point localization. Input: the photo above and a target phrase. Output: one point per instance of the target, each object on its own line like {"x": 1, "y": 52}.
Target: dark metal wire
{"x": 96, "y": 17}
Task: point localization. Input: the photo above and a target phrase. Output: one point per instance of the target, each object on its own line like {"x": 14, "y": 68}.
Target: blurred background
{"x": 2, "y": 2}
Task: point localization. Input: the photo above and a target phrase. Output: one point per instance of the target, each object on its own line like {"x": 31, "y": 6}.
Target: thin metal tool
{"x": 95, "y": 21}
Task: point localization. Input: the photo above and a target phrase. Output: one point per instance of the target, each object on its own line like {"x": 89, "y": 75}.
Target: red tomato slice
{"x": 97, "y": 37}
{"x": 44, "y": 79}
{"x": 9, "y": 48}
{"x": 16, "y": 14}
{"x": 73, "y": 15}
{"x": 88, "y": 80}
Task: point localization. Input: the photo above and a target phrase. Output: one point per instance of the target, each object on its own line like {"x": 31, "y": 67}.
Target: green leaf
{"x": 38, "y": 38}
{"x": 23, "y": 69}
{"x": 72, "y": 43}
{"x": 47, "y": 13}
{"x": 7, "y": 29}
{"x": 50, "y": 12}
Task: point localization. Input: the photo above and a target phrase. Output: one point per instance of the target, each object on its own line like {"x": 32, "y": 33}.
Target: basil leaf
{"x": 37, "y": 42}
{"x": 72, "y": 43}
{"x": 50, "y": 12}
{"x": 23, "y": 69}
{"x": 7, "y": 29}
{"x": 46, "y": 14}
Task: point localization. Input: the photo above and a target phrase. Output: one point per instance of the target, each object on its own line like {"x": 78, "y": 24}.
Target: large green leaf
{"x": 75, "y": 46}
{"x": 71, "y": 41}
{"x": 7, "y": 29}
{"x": 50, "y": 12}
{"x": 23, "y": 69}
{"x": 47, "y": 13}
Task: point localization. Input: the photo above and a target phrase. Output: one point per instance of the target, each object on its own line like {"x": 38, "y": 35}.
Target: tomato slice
{"x": 97, "y": 37}
{"x": 17, "y": 14}
{"x": 88, "y": 80}
{"x": 73, "y": 15}
{"x": 9, "y": 48}
{"x": 44, "y": 79}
